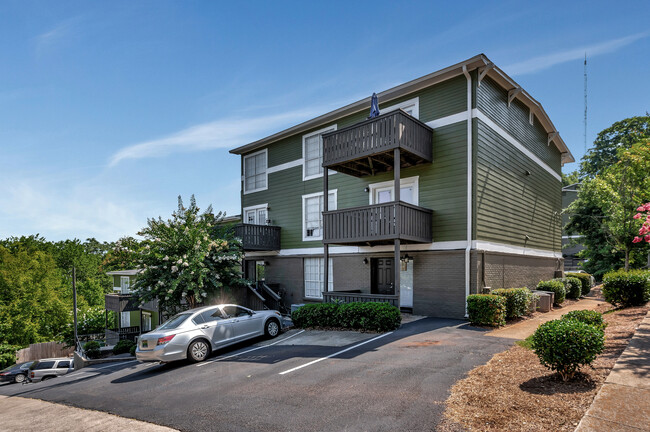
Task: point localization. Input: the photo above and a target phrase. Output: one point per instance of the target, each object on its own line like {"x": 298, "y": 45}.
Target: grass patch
{"x": 526, "y": 343}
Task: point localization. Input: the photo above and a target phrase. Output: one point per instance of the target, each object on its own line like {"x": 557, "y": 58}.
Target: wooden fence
{"x": 43, "y": 350}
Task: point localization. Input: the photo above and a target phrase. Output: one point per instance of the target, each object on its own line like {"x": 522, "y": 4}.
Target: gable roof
{"x": 479, "y": 61}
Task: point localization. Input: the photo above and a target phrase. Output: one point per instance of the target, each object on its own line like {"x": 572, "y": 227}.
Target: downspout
{"x": 468, "y": 247}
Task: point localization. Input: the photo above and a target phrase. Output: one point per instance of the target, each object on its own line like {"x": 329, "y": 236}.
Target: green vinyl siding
{"x": 437, "y": 101}
{"x": 492, "y": 100}
{"x": 442, "y": 188}
{"x": 510, "y": 204}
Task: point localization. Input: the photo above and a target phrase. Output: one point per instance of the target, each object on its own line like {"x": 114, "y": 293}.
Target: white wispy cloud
{"x": 540, "y": 63}
{"x": 55, "y": 35}
{"x": 223, "y": 133}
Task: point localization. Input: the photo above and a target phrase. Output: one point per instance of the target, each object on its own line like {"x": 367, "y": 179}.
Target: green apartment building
{"x": 454, "y": 187}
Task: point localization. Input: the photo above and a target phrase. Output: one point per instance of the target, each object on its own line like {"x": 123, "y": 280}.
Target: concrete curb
{"x": 82, "y": 362}
{"x": 623, "y": 402}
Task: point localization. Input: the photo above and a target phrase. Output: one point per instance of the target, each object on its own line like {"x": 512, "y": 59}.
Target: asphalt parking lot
{"x": 301, "y": 380}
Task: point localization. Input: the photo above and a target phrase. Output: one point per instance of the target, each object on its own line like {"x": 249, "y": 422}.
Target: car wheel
{"x": 272, "y": 328}
{"x": 19, "y": 378}
{"x": 47, "y": 378}
{"x": 198, "y": 350}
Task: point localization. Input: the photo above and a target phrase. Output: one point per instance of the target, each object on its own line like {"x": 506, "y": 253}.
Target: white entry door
{"x": 255, "y": 216}
{"x": 406, "y": 285}
{"x": 385, "y": 194}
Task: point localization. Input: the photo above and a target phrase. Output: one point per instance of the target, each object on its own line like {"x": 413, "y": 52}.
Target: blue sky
{"x": 110, "y": 110}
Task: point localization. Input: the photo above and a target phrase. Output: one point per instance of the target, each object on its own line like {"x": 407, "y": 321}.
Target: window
{"x": 411, "y": 106}
{"x": 235, "y": 311}
{"x": 384, "y": 192}
{"x": 146, "y": 321}
{"x": 125, "y": 318}
{"x": 256, "y": 215}
{"x": 315, "y": 277}
{"x": 255, "y": 172}
{"x": 45, "y": 365}
{"x": 312, "y": 214}
{"x": 312, "y": 153}
{"x": 63, "y": 365}
{"x": 125, "y": 284}
{"x": 208, "y": 316}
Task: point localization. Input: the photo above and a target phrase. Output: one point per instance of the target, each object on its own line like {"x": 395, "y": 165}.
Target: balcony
{"x": 378, "y": 224}
{"x": 366, "y": 148}
{"x": 259, "y": 237}
{"x": 127, "y": 302}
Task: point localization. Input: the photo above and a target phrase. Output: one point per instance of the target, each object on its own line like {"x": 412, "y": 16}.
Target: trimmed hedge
{"x": 554, "y": 286}
{"x": 92, "y": 349}
{"x": 517, "y": 301}
{"x": 590, "y": 317}
{"x": 123, "y": 346}
{"x": 566, "y": 345}
{"x": 631, "y": 288}
{"x": 487, "y": 309}
{"x": 132, "y": 350}
{"x": 357, "y": 316}
{"x": 585, "y": 279}
{"x": 573, "y": 287}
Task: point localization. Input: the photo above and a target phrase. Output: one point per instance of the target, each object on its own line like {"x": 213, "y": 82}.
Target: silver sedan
{"x": 197, "y": 332}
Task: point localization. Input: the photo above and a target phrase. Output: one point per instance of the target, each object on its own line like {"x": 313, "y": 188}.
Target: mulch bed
{"x": 513, "y": 392}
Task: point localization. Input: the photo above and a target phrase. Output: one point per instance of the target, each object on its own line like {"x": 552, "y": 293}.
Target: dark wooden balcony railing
{"x": 378, "y": 223}
{"x": 259, "y": 237}
{"x": 366, "y": 148}
{"x": 126, "y": 303}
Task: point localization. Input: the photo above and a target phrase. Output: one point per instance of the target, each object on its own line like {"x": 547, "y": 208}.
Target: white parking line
{"x": 254, "y": 349}
{"x": 103, "y": 367}
{"x": 333, "y": 355}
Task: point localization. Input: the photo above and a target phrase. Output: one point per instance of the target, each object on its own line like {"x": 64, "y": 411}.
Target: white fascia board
{"x": 436, "y": 246}
{"x": 284, "y": 166}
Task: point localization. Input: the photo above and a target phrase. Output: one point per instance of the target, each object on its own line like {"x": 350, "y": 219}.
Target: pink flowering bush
{"x": 644, "y": 231}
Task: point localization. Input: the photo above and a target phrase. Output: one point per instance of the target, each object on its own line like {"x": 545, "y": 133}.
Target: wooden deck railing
{"x": 259, "y": 237}
{"x": 378, "y": 222}
{"x": 334, "y": 296}
{"x": 395, "y": 129}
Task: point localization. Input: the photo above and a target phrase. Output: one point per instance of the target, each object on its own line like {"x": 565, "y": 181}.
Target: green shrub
{"x": 7, "y": 359}
{"x": 92, "y": 349}
{"x": 573, "y": 287}
{"x": 486, "y": 309}
{"x": 566, "y": 345}
{"x": 357, "y": 316}
{"x": 123, "y": 346}
{"x": 132, "y": 350}
{"x": 556, "y": 287}
{"x": 590, "y": 317}
{"x": 585, "y": 279}
{"x": 517, "y": 301}
{"x": 630, "y": 288}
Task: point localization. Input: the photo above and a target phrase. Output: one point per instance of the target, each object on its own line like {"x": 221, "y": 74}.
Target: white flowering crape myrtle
{"x": 187, "y": 258}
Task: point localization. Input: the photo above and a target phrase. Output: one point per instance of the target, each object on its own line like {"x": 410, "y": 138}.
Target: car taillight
{"x": 3, "y": 374}
{"x": 31, "y": 375}
{"x": 164, "y": 340}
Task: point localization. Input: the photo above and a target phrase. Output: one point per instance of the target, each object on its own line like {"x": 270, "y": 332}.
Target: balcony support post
{"x": 398, "y": 227}
{"x": 326, "y": 247}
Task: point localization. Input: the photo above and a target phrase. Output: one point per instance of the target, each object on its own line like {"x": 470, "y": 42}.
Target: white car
{"x": 194, "y": 334}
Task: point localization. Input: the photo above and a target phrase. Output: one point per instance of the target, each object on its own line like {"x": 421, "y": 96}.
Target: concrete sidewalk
{"x": 33, "y": 415}
{"x": 623, "y": 402}
{"x": 526, "y": 328}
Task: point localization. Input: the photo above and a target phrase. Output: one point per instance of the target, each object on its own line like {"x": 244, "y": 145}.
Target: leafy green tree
{"x": 123, "y": 255}
{"x": 570, "y": 178}
{"x": 603, "y": 212}
{"x": 32, "y": 305}
{"x": 90, "y": 320}
{"x": 622, "y": 134}
{"x": 184, "y": 262}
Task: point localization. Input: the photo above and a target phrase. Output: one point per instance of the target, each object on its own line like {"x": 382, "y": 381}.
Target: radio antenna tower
{"x": 585, "y": 121}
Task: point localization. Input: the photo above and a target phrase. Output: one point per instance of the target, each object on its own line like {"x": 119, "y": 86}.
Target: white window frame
{"x": 304, "y": 200}
{"x": 321, "y": 276}
{"x": 146, "y": 316}
{"x": 266, "y": 172}
{"x": 304, "y": 151}
{"x": 125, "y": 322}
{"x": 415, "y": 102}
{"x": 127, "y": 284}
{"x": 414, "y": 181}
{"x": 255, "y": 208}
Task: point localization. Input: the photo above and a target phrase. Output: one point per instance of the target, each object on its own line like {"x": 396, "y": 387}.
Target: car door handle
{"x": 205, "y": 326}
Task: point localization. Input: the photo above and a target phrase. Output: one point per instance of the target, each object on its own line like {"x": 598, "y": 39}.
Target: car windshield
{"x": 21, "y": 366}
{"x": 174, "y": 321}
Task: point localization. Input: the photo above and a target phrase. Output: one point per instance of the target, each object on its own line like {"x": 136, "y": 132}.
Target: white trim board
{"x": 436, "y": 246}
{"x": 445, "y": 121}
